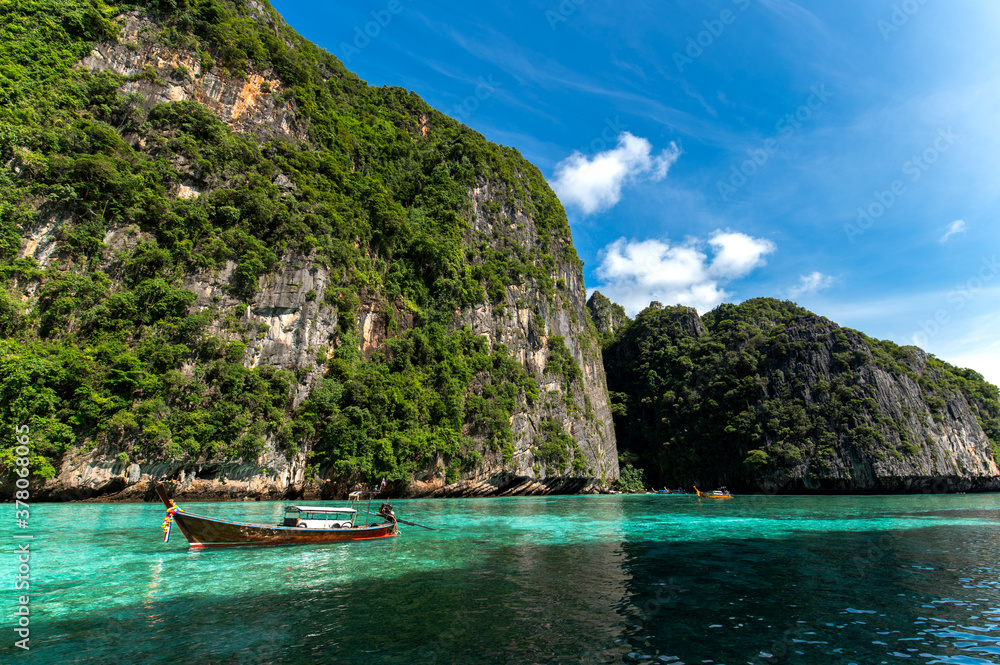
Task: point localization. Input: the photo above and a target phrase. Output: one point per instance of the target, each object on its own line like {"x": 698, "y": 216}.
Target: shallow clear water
{"x": 590, "y": 579}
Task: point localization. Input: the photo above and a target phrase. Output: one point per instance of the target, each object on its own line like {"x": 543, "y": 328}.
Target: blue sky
{"x": 844, "y": 155}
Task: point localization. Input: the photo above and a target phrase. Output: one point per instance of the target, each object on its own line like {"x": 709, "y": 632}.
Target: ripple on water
{"x": 550, "y": 579}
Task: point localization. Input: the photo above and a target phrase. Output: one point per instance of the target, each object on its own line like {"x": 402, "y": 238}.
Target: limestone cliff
{"x": 159, "y": 73}
{"x": 495, "y": 257}
{"x": 766, "y": 396}
{"x": 608, "y": 317}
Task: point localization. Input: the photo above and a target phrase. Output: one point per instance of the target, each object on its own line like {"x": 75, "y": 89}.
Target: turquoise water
{"x": 591, "y": 579}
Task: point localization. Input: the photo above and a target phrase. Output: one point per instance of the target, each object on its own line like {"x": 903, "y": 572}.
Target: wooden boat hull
{"x": 203, "y": 532}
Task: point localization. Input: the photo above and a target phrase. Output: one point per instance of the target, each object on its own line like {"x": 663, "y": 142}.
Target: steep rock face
{"x": 527, "y": 321}
{"x": 98, "y": 474}
{"x": 608, "y": 317}
{"x": 161, "y": 74}
{"x": 767, "y": 396}
{"x": 291, "y": 323}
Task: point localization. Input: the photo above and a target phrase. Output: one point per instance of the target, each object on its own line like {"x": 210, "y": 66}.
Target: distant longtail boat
{"x": 722, "y": 493}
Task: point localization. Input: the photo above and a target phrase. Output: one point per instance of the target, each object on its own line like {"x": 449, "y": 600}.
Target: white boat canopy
{"x": 318, "y": 509}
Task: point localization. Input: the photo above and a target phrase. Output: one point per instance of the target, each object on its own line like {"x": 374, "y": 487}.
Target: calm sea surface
{"x": 594, "y": 579}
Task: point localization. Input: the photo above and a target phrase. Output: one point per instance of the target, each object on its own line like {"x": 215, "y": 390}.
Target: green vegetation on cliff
{"x": 767, "y": 393}
{"x": 608, "y": 317}
{"x": 404, "y": 411}
{"x": 103, "y": 347}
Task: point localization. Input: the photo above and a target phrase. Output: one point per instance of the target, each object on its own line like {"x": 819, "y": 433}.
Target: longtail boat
{"x": 722, "y": 493}
{"x": 301, "y": 525}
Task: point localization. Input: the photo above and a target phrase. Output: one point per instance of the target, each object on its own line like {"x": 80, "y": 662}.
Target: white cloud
{"x": 958, "y": 226}
{"x": 594, "y": 184}
{"x": 635, "y": 273}
{"x": 736, "y": 254}
{"x": 810, "y": 284}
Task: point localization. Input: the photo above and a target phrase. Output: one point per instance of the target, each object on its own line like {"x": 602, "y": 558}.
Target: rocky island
{"x": 766, "y": 396}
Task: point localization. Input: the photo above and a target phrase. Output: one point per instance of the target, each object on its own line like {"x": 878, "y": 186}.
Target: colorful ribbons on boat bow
{"x": 169, "y": 520}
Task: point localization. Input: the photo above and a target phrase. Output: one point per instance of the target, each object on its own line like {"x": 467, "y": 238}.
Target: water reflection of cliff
{"x": 826, "y": 597}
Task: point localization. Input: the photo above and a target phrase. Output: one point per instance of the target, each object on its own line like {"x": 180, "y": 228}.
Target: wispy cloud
{"x": 810, "y": 284}
{"x": 629, "y": 66}
{"x": 594, "y": 184}
{"x": 796, "y": 14}
{"x": 694, "y": 94}
{"x": 533, "y": 69}
{"x": 958, "y": 226}
{"x": 637, "y": 272}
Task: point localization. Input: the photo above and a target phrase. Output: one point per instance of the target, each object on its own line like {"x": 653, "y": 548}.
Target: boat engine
{"x": 385, "y": 510}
